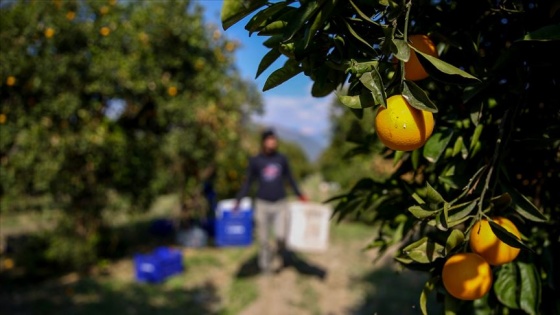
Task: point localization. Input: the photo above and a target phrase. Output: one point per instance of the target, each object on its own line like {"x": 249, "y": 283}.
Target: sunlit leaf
{"x": 233, "y": 11}
{"x": 422, "y": 213}
{"x": 428, "y": 288}
{"x": 443, "y": 71}
{"x": 274, "y": 28}
{"x": 361, "y": 101}
{"x": 436, "y": 145}
{"x": 476, "y": 136}
{"x": 400, "y": 49}
{"x": 256, "y": 22}
{"x": 549, "y": 32}
{"x": 424, "y": 251}
{"x": 398, "y": 156}
{"x": 530, "y": 296}
{"x": 432, "y": 195}
{"x": 373, "y": 82}
{"x": 455, "y": 238}
{"x": 458, "y": 212}
{"x": 417, "y": 97}
{"x": 506, "y": 285}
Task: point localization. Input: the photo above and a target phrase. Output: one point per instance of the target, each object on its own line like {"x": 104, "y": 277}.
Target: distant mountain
{"x": 312, "y": 146}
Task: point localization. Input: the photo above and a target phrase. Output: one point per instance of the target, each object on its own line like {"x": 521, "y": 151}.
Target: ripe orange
{"x": 401, "y": 126}
{"x": 172, "y": 91}
{"x": 105, "y": 31}
{"x": 485, "y": 243}
{"x": 70, "y": 15}
{"x": 467, "y": 276}
{"x": 413, "y": 69}
{"x": 11, "y": 81}
{"x": 49, "y": 32}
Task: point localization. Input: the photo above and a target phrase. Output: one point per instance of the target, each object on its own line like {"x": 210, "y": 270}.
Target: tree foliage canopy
{"x": 494, "y": 150}
{"x": 100, "y": 98}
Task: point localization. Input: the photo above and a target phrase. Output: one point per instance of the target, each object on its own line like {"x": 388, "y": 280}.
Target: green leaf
{"x": 290, "y": 69}
{"x": 303, "y": 14}
{"x": 521, "y": 204}
{"x": 506, "y": 285}
{"x": 274, "y": 28}
{"x": 550, "y": 32}
{"x": 400, "y": 49}
{"x": 358, "y": 37}
{"x": 441, "y": 221}
{"x": 443, "y": 71}
{"x": 452, "y": 305}
{"x": 361, "y": 101}
{"x": 506, "y": 236}
{"x": 417, "y": 97}
{"x": 458, "y": 146}
{"x": 454, "y": 239}
{"x": 459, "y": 212}
{"x": 267, "y": 60}
{"x": 432, "y": 196}
{"x": 322, "y": 16}
{"x": 530, "y": 297}
{"x": 428, "y": 288}
{"x": 476, "y": 136}
{"x": 424, "y": 251}
{"x": 415, "y": 158}
{"x": 273, "y": 41}
{"x": 362, "y": 15}
{"x": 501, "y": 202}
{"x": 436, "y": 145}
{"x": 233, "y": 11}
{"x": 398, "y": 156}
{"x": 257, "y": 21}
{"x": 373, "y": 82}
{"x": 422, "y": 213}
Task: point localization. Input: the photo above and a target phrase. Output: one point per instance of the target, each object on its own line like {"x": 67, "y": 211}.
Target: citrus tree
{"x": 101, "y": 99}
{"x": 463, "y": 96}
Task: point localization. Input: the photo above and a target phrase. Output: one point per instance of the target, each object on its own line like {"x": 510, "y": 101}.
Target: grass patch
{"x": 351, "y": 231}
{"x": 242, "y": 292}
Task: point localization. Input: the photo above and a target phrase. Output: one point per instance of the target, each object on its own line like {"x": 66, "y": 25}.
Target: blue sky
{"x": 288, "y": 105}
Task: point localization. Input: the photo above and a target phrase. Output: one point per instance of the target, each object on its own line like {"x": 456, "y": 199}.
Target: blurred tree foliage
{"x": 100, "y": 97}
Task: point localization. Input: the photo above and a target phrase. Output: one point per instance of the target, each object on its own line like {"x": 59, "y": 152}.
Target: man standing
{"x": 270, "y": 169}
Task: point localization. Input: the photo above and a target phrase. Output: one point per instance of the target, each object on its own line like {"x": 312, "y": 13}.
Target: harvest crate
{"x": 158, "y": 265}
{"x": 234, "y": 228}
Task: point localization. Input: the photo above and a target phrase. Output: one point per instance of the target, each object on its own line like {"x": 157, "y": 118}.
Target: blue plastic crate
{"x": 158, "y": 265}
{"x": 234, "y": 228}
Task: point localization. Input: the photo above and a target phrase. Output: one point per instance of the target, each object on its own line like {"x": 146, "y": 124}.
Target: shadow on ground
{"x": 250, "y": 267}
{"x": 387, "y": 291}
{"x": 88, "y": 296}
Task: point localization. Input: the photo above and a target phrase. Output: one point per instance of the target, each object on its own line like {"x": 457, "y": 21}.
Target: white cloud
{"x": 305, "y": 114}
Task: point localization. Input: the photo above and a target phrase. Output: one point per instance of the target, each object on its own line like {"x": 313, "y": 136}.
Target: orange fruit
{"x": 485, "y": 243}
{"x": 70, "y": 15}
{"x": 467, "y": 276}
{"x": 172, "y": 91}
{"x": 401, "y": 126}
{"x": 11, "y": 81}
{"x": 105, "y": 31}
{"x": 413, "y": 69}
{"x": 49, "y": 32}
